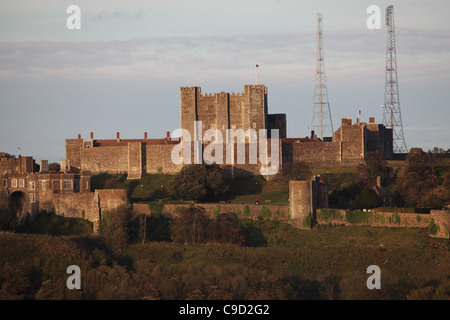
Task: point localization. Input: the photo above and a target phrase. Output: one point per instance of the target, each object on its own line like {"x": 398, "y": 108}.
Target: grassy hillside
{"x": 324, "y": 263}
{"x": 156, "y": 186}
{"x": 52, "y": 224}
{"x": 247, "y": 189}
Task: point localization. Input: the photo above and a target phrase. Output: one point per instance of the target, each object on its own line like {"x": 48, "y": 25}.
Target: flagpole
{"x": 256, "y": 74}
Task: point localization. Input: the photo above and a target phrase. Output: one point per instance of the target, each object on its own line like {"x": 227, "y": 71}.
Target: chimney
{"x": 168, "y": 134}
{"x": 312, "y": 134}
{"x": 346, "y": 120}
{"x": 79, "y": 136}
{"x": 378, "y": 181}
{"x": 145, "y": 136}
{"x": 92, "y": 136}
{"x": 357, "y": 119}
{"x": 118, "y": 137}
{"x": 371, "y": 119}
{"x": 43, "y": 166}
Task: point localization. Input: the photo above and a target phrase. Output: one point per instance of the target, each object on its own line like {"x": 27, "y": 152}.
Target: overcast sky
{"x": 122, "y": 71}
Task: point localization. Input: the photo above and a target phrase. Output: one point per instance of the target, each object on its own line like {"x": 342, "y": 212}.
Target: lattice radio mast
{"x": 392, "y": 116}
{"x": 321, "y": 121}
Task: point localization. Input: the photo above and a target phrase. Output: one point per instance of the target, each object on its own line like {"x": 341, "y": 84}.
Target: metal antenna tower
{"x": 321, "y": 121}
{"x": 392, "y": 116}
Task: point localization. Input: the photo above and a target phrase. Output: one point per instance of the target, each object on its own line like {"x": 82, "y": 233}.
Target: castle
{"x": 224, "y": 111}
{"x": 64, "y": 192}
{"x": 68, "y": 191}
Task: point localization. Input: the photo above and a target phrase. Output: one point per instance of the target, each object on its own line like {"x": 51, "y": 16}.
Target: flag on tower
{"x": 257, "y": 65}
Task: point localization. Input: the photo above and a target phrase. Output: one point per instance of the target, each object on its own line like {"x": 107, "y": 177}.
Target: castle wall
{"x": 442, "y": 219}
{"x": 11, "y": 165}
{"x": 316, "y": 154}
{"x": 159, "y": 159}
{"x": 73, "y": 152}
{"x": 277, "y": 121}
{"x": 206, "y": 111}
{"x": 111, "y": 198}
{"x": 375, "y": 137}
{"x": 135, "y": 160}
{"x": 105, "y": 159}
{"x": 222, "y": 112}
{"x": 236, "y": 111}
{"x": 188, "y": 108}
{"x": 251, "y": 160}
{"x": 255, "y": 112}
{"x": 353, "y": 144}
{"x": 8, "y": 165}
{"x": 72, "y": 205}
{"x": 370, "y": 218}
{"x": 301, "y": 203}
{"x": 88, "y": 205}
{"x": 271, "y": 212}
{"x": 379, "y": 138}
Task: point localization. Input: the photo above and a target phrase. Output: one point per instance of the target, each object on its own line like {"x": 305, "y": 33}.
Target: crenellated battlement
{"x": 189, "y": 88}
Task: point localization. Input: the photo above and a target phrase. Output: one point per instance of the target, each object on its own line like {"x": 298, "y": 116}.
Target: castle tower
{"x": 188, "y": 108}
{"x": 392, "y": 116}
{"x": 255, "y": 107}
{"x": 222, "y": 111}
{"x": 321, "y": 122}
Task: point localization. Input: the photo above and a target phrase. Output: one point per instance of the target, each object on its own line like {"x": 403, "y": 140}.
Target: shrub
{"x": 307, "y": 222}
{"x": 394, "y": 218}
{"x": 216, "y": 211}
{"x": 246, "y": 211}
{"x": 198, "y": 182}
{"x": 330, "y": 215}
{"x": 114, "y": 226}
{"x": 358, "y": 217}
{"x": 432, "y": 227}
{"x": 265, "y": 212}
{"x": 366, "y": 199}
{"x": 156, "y": 208}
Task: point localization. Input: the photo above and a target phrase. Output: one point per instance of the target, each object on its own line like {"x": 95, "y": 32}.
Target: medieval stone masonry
{"x": 63, "y": 192}
{"x": 68, "y": 192}
{"x": 223, "y": 111}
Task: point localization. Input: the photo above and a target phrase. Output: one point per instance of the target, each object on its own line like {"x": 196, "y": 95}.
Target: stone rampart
{"x": 105, "y": 159}
{"x": 317, "y": 154}
{"x": 88, "y": 205}
{"x": 76, "y": 205}
{"x": 371, "y": 218}
{"x": 441, "y": 218}
{"x": 159, "y": 159}
{"x": 253, "y": 212}
{"x": 437, "y": 222}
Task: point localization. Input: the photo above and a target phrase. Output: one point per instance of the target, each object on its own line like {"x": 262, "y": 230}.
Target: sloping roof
{"x": 124, "y": 142}
{"x": 306, "y": 139}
